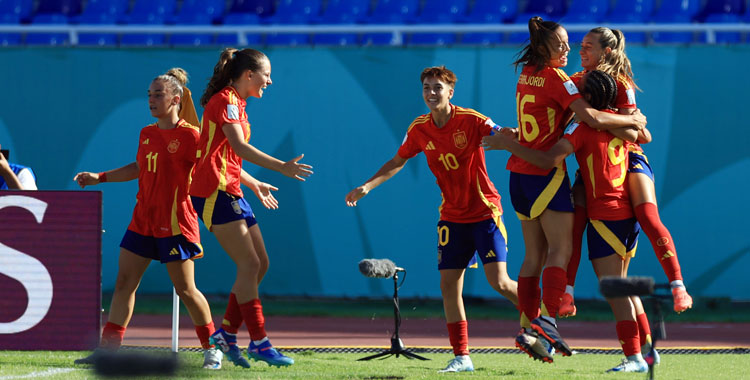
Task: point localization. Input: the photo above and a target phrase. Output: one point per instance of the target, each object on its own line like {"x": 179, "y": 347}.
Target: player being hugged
{"x": 470, "y": 214}
{"x": 603, "y": 159}
{"x": 218, "y": 198}
{"x": 164, "y": 225}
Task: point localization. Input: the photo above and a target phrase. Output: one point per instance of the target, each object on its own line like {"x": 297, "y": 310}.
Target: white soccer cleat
{"x": 461, "y": 363}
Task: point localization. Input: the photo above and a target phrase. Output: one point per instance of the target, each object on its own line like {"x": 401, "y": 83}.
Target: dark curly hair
{"x": 601, "y": 89}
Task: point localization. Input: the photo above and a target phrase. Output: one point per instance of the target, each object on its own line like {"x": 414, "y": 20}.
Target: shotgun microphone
{"x": 612, "y": 287}
{"x": 378, "y": 268}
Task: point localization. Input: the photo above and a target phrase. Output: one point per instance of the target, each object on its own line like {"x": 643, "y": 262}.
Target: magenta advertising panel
{"x": 50, "y": 269}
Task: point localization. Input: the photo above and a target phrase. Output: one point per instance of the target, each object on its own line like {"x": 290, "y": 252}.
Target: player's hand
{"x": 355, "y": 195}
{"x": 4, "y": 165}
{"x": 509, "y": 132}
{"x": 86, "y": 179}
{"x": 263, "y": 192}
{"x": 639, "y": 119}
{"x": 498, "y": 141}
{"x": 294, "y": 169}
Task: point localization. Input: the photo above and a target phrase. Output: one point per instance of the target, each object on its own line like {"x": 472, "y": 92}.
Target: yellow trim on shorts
{"x": 496, "y": 213}
{"x": 208, "y": 209}
{"x": 541, "y": 202}
{"x": 612, "y": 239}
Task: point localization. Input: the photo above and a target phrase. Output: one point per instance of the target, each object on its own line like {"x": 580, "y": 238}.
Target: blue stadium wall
{"x": 68, "y": 110}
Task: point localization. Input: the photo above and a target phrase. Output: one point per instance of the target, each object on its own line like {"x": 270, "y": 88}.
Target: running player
{"x": 612, "y": 241}
{"x": 545, "y": 101}
{"x": 470, "y": 214}
{"x": 218, "y": 198}
{"x": 604, "y": 49}
{"x": 164, "y": 225}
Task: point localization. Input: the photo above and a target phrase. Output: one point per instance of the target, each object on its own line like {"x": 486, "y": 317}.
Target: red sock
{"x": 204, "y": 332}
{"x": 252, "y": 314}
{"x": 458, "y": 334}
{"x": 579, "y": 226}
{"x": 232, "y": 316}
{"x": 528, "y": 297}
{"x": 553, "y": 287}
{"x": 627, "y": 332}
{"x": 661, "y": 240}
{"x": 112, "y": 336}
{"x": 644, "y": 329}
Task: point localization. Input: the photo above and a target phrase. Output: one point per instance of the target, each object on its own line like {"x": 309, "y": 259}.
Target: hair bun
{"x": 178, "y": 73}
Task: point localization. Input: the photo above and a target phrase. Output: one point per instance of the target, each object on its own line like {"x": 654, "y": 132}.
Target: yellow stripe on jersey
{"x": 233, "y": 98}
{"x": 562, "y": 75}
{"x": 541, "y": 203}
{"x": 223, "y": 170}
{"x": 193, "y": 127}
{"x": 211, "y": 133}
{"x": 590, "y": 164}
{"x": 418, "y": 120}
{"x": 551, "y": 122}
{"x": 469, "y": 111}
{"x": 442, "y": 202}
{"x": 208, "y": 209}
{"x": 625, "y": 81}
{"x": 496, "y": 213}
{"x": 175, "y": 223}
{"x": 612, "y": 239}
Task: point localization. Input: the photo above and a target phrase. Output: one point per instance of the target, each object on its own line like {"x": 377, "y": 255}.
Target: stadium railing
{"x": 709, "y": 30}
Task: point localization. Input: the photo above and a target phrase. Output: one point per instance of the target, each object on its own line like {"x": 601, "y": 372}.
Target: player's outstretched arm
{"x": 128, "y": 172}
{"x": 604, "y": 120}
{"x": 292, "y": 168}
{"x": 388, "y": 170}
{"x": 262, "y": 190}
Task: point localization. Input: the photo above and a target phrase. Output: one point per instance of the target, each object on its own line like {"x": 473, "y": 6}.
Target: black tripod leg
{"x": 412, "y": 355}
{"x": 378, "y": 355}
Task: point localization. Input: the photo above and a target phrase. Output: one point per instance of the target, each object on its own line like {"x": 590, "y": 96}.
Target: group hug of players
{"x": 185, "y": 173}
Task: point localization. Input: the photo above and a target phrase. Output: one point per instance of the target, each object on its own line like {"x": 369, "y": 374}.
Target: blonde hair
{"x": 175, "y": 79}
{"x": 616, "y": 62}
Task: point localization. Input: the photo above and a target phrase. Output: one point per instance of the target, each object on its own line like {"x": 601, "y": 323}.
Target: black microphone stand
{"x": 660, "y": 332}
{"x": 397, "y": 346}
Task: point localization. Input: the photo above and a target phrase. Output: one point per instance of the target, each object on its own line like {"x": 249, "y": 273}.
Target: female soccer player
{"x": 218, "y": 198}
{"x": 164, "y": 225}
{"x": 603, "y": 160}
{"x": 604, "y": 49}
{"x": 470, "y": 215}
{"x": 545, "y": 101}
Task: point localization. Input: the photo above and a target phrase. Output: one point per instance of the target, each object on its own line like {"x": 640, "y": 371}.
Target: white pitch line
{"x": 34, "y": 375}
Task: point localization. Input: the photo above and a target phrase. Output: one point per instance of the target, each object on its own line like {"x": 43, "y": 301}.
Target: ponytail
{"x": 616, "y": 63}
{"x": 537, "y": 51}
{"x": 232, "y": 63}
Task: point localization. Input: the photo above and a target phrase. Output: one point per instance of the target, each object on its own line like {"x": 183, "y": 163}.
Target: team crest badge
{"x": 173, "y": 146}
{"x": 459, "y": 138}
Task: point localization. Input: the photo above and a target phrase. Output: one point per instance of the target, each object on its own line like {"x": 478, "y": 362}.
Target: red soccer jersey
{"x": 542, "y": 100}
{"x": 625, "y": 98}
{"x": 165, "y": 160}
{"x": 457, "y": 160}
{"x": 218, "y": 166}
{"x": 603, "y": 161}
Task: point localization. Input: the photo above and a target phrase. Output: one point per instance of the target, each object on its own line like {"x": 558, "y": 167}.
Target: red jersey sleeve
{"x": 411, "y": 145}
{"x": 625, "y": 93}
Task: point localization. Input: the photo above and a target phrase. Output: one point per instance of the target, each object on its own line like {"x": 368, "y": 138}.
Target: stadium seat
{"x": 344, "y": 12}
{"x": 723, "y": 37}
{"x": 393, "y": 12}
{"x": 672, "y": 37}
{"x": 492, "y": 11}
{"x": 150, "y": 12}
{"x": 287, "y": 39}
{"x": 239, "y": 19}
{"x": 442, "y": 11}
{"x": 21, "y": 8}
{"x": 584, "y": 12}
{"x": 636, "y": 11}
{"x": 10, "y": 39}
{"x": 53, "y": 39}
{"x": 432, "y": 39}
{"x": 97, "y": 39}
{"x": 66, "y": 7}
{"x": 629, "y": 18}
{"x": 193, "y": 39}
{"x": 684, "y": 7}
{"x": 262, "y": 8}
{"x": 190, "y": 9}
{"x": 376, "y": 39}
{"x": 736, "y": 7}
{"x": 144, "y": 39}
{"x": 295, "y": 12}
{"x": 94, "y": 8}
{"x": 334, "y": 39}
{"x": 481, "y": 38}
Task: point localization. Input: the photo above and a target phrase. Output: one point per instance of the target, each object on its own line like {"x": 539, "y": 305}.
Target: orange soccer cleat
{"x": 567, "y": 306}
{"x": 682, "y": 300}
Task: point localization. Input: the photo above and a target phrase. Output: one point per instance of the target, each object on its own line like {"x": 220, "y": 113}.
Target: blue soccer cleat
{"x": 548, "y": 330}
{"x": 268, "y": 354}
{"x": 227, "y": 343}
